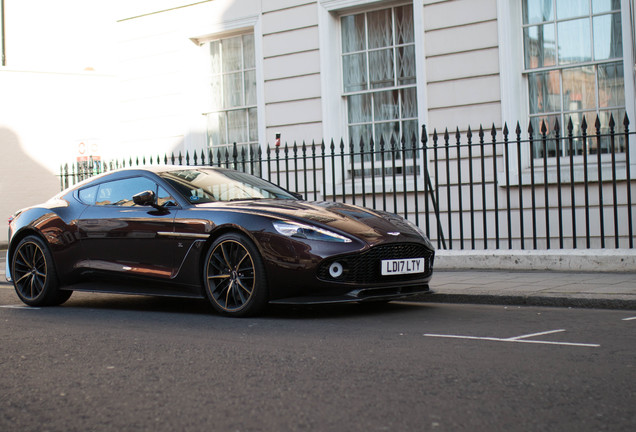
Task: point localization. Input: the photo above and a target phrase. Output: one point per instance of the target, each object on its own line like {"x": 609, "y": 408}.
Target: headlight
{"x": 298, "y": 230}
{"x": 421, "y": 232}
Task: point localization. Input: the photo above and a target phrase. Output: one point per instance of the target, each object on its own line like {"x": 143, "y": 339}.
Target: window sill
{"x": 607, "y": 173}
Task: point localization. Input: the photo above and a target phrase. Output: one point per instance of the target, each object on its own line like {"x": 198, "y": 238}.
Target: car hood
{"x": 372, "y": 226}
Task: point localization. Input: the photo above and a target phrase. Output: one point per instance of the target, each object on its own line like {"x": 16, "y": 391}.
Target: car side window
{"x": 164, "y": 198}
{"x": 87, "y": 195}
{"x": 120, "y": 192}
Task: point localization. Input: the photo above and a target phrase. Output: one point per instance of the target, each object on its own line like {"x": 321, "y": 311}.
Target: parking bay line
{"x": 629, "y": 319}
{"x": 18, "y": 307}
{"x": 517, "y": 339}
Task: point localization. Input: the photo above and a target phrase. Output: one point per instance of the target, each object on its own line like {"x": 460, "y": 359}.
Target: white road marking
{"x": 535, "y": 334}
{"x": 629, "y": 319}
{"x": 517, "y": 339}
{"x": 18, "y": 307}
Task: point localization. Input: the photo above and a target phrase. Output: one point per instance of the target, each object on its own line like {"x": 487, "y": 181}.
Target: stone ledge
{"x": 588, "y": 260}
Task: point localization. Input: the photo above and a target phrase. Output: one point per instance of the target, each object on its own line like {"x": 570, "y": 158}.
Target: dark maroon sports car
{"x": 231, "y": 237}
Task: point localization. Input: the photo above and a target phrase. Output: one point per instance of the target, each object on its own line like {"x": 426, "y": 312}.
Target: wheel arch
{"x": 228, "y": 229}
{"x": 21, "y": 235}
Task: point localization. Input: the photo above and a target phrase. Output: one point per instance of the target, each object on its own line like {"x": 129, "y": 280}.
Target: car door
{"x": 119, "y": 236}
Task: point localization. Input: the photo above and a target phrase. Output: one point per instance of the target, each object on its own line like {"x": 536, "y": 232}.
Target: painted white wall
{"x": 55, "y": 93}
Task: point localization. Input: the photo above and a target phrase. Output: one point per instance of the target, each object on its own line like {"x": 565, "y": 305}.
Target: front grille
{"x": 365, "y": 267}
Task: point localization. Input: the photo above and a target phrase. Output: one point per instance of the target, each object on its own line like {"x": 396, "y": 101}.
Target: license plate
{"x": 403, "y": 266}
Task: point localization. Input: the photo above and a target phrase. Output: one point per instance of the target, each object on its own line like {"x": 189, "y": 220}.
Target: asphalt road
{"x": 115, "y": 363}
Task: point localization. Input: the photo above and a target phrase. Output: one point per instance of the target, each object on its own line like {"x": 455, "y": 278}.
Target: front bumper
{"x": 360, "y": 295}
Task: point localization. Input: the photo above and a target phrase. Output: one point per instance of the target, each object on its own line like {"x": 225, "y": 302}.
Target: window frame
{"x": 514, "y": 84}
{"x": 244, "y": 108}
{"x": 373, "y": 92}
{"x": 335, "y": 115}
{"x": 220, "y": 30}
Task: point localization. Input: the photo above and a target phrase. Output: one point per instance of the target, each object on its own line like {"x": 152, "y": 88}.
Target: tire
{"x": 234, "y": 276}
{"x": 34, "y": 276}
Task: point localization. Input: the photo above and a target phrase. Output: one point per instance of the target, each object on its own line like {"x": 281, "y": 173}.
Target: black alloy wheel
{"x": 34, "y": 276}
{"x": 234, "y": 276}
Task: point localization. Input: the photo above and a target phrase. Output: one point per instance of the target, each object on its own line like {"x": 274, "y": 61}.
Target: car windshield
{"x": 204, "y": 185}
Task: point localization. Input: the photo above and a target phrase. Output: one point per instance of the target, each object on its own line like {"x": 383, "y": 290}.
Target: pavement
{"x": 576, "y": 289}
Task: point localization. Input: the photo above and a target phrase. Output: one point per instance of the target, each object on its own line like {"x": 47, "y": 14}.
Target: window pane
{"x": 536, "y": 11}
{"x": 87, "y": 195}
{"x": 250, "y": 87}
{"x": 248, "y": 51}
{"x": 215, "y": 56}
{"x": 579, "y": 92}
{"x": 380, "y": 29}
{"x": 232, "y": 90}
{"x": 216, "y": 93}
{"x": 120, "y": 192}
{"x": 572, "y": 8}
{"x": 545, "y": 92}
{"x": 381, "y": 68}
{"x": 410, "y": 130}
{"x": 237, "y": 126}
{"x": 611, "y": 85}
{"x": 353, "y": 38}
{"x": 574, "y": 41}
{"x": 606, "y": 144}
{"x": 550, "y": 145}
{"x": 406, "y": 65}
{"x": 387, "y": 132}
{"x": 164, "y": 198}
{"x": 232, "y": 54}
{"x": 599, "y": 6}
{"x": 385, "y": 105}
{"x": 539, "y": 46}
{"x": 360, "y": 132}
{"x": 404, "y": 25}
{"x": 216, "y": 129}
{"x": 577, "y": 144}
{"x": 359, "y": 107}
{"x": 253, "y": 119}
{"x": 608, "y": 41}
{"x": 354, "y": 72}
{"x": 409, "y": 102}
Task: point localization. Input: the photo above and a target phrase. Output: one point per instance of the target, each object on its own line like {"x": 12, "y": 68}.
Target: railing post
{"x": 572, "y": 184}
{"x": 460, "y": 188}
{"x": 364, "y": 187}
{"x": 372, "y": 154}
{"x": 599, "y": 170}
{"x": 586, "y": 184}
{"x": 482, "y": 145}
{"x": 314, "y": 165}
{"x": 507, "y": 172}
{"x": 493, "y": 134}
{"x": 557, "y": 137}
{"x": 628, "y": 174}
{"x": 469, "y": 138}
{"x": 353, "y": 171}
{"x": 448, "y": 190}
{"x": 614, "y": 191}
{"x": 546, "y": 201}
{"x": 520, "y": 182}
{"x": 404, "y": 191}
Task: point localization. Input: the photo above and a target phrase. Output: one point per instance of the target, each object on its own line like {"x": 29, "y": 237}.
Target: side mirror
{"x": 145, "y": 198}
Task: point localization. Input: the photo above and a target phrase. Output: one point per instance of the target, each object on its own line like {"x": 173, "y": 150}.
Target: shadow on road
{"x": 84, "y": 300}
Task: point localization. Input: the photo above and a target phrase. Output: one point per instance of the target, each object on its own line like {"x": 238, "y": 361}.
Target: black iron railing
{"x": 490, "y": 189}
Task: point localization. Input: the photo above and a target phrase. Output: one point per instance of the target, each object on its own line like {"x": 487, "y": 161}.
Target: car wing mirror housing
{"x": 146, "y": 198}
